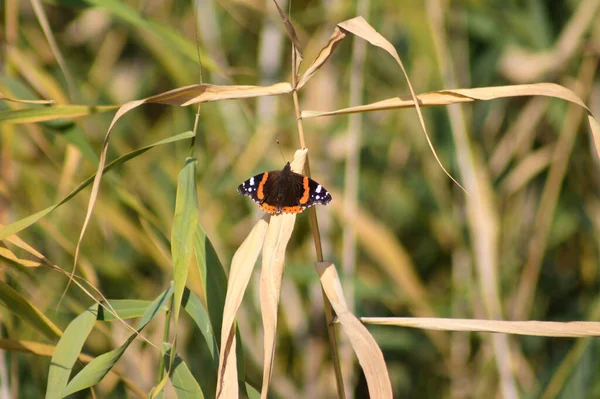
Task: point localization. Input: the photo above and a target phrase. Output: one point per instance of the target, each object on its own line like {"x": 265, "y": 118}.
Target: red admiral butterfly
{"x": 284, "y": 192}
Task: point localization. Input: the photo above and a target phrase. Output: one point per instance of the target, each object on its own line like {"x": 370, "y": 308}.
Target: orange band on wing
{"x": 259, "y": 192}
{"x": 268, "y": 208}
{"x": 304, "y": 198}
{"x": 292, "y": 209}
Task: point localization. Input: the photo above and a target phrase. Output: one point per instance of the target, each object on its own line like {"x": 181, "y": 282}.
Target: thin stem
{"x": 319, "y": 250}
{"x": 193, "y": 140}
{"x": 161, "y": 363}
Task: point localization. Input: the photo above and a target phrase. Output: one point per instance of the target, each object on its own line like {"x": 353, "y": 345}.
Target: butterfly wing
{"x": 304, "y": 193}
{"x": 258, "y": 186}
{"x": 284, "y": 191}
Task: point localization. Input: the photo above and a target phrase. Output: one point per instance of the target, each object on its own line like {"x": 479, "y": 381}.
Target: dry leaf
{"x": 323, "y": 56}
{"x": 361, "y": 28}
{"x": 242, "y": 265}
{"x": 202, "y": 93}
{"x": 278, "y": 235}
{"x": 455, "y": 96}
{"x": 538, "y": 328}
{"x": 367, "y": 351}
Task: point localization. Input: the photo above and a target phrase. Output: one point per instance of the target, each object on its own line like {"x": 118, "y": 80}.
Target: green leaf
{"x": 125, "y": 308}
{"x": 100, "y": 366}
{"x": 185, "y": 222}
{"x": 186, "y": 386}
{"x": 194, "y": 307}
{"x": 182, "y": 380}
{"x": 214, "y": 280}
{"x": 17, "y": 304}
{"x": 205, "y": 351}
{"x": 67, "y": 351}
{"x": 22, "y": 224}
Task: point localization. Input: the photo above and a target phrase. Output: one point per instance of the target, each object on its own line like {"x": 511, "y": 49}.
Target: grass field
{"x": 459, "y": 257}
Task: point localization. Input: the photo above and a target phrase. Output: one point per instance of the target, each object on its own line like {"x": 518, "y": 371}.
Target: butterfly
{"x": 284, "y": 191}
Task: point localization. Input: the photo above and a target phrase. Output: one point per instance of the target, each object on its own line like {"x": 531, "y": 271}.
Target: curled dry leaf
{"x": 278, "y": 235}
{"x": 202, "y": 93}
{"x": 242, "y": 265}
{"x": 368, "y": 353}
{"x": 538, "y": 328}
{"x": 361, "y": 28}
{"x": 337, "y": 36}
{"x": 455, "y": 96}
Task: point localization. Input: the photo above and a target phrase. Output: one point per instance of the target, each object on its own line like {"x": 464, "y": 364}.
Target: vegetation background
{"x": 398, "y": 228}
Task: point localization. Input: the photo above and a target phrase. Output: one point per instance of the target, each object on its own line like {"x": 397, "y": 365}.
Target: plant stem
{"x": 319, "y": 250}
{"x": 161, "y": 363}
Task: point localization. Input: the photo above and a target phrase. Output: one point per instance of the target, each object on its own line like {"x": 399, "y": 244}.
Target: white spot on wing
{"x": 252, "y": 181}
{"x": 318, "y": 190}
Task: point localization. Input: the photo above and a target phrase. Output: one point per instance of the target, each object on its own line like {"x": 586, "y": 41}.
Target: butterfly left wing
{"x": 250, "y": 187}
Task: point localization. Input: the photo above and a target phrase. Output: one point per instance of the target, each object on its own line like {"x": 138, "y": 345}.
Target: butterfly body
{"x": 284, "y": 191}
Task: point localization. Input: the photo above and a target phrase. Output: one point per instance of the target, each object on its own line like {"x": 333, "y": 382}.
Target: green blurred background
{"x": 531, "y": 226}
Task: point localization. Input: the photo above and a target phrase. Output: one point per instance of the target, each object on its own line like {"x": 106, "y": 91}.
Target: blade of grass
{"x": 95, "y": 371}
{"x": 368, "y": 352}
{"x": 534, "y": 328}
{"x": 17, "y": 226}
{"x": 276, "y": 240}
{"x": 242, "y": 265}
{"x": 186, "y": 386}
{"x": 214, "y": 280}
{"x": 185, "y": 222}
{"x": 67, "y": 351}
{"x": 23, "y": 308}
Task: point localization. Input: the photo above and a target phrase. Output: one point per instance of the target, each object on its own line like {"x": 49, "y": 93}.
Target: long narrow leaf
{"x": 23, "y": 308}
{"x": 67, "y": 351}
{"x": 214, "y": 279}
{"x": 185, "y": 222}
{"x": 100, "y": 366}
{"x": 186, "y": 386}
{"x": 31, "y": 219}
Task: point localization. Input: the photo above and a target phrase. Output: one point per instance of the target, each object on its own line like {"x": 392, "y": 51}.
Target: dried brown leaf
{"x": 202, "y": 93}
{"x": 361, "y": 28}
{"x": 537, "y": 328}
{"x": 337, "y": 36}
{"x": 367, "y": 351}
{"x": 454, "y": 96}
{"x": 447, "y": 97}
{"x": 242, "y": 265}
{"x": 278, "y": 235}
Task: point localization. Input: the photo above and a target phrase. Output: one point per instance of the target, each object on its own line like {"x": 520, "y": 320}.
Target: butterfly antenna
{"x": 281, "y": 152}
